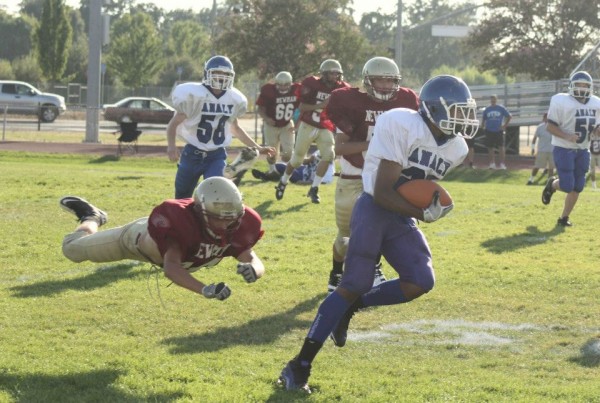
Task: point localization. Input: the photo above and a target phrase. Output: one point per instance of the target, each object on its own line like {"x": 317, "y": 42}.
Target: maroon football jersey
{"x": 315, "y": 91}
{"x": 279, "y": 107}
{"x": 175, "y": 219}
{"x": 354, "y": 113}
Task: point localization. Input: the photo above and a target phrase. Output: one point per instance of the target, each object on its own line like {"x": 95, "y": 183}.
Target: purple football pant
{"x": 374, "y": 229}
{"x": 571, "y": 165}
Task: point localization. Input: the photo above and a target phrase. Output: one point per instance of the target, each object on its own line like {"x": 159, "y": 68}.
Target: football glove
{"x": 435, "y": 211}
{"x": 247, "y": 271}
{"x": 219, "y": 291}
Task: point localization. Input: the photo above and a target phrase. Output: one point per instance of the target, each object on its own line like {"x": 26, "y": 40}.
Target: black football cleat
{"x": 295, "y": 376}
{"x": 548, "y": 190}
{"x": 564, "y": 222}
{"x": 313, "y": 193}
{"x": 279, "y": 190}
{"x": 83, "y": 210}
{"x": 340, "y": 333}
{"x": 334, "y": 280}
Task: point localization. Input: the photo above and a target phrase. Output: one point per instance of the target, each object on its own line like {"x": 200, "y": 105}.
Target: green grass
{"x": 513, "y": 316}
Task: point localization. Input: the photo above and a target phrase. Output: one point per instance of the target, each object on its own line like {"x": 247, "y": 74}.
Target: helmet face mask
{"x": 381, "y": 78}
{"x": 219, "y": 73}
{"x": 446, "y": 101}
{"x": 283, "y": 82}
{"x": 218, "y": 202}
{"x": 581, "y": 86}
{"x": 331, "y": 71}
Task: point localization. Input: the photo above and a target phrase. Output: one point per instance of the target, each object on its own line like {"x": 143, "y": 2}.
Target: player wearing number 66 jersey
{"x": 276, "y": 105}
{"x": 206, "y": 118}
{"x": 572, "y": 118}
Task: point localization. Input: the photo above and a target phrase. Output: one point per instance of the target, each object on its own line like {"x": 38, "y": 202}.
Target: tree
{"x": 135, "y": 54}
{"x": 292, "y": 35}
{"x": 54, "y": 39}
{"x": 543, "y": 39}
{"x": 6, "y": 70}
{"x": 16, "y": 33}
{"x": 189, "y": 38}
{"x": 76, "y": 69}
{"x": 422, "y": 52}
{"x": 26, "y": 68}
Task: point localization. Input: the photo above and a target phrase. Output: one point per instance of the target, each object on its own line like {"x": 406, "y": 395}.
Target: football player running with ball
{"x": 314, "y": 95}
{"x": 180, "y": 235}
{"x": 406, "y": 145}
{"x": 354, "y": 113}
{"x": 206, "y": 118}
{"x": 572, "y": 118}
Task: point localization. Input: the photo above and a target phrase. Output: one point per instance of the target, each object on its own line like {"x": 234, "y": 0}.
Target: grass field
{"x": 513, "y": 317}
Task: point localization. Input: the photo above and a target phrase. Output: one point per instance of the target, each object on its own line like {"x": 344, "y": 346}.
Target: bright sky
{"x": 361, "y": 6}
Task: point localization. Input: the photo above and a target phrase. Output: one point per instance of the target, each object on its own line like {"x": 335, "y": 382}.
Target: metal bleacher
{"x": 526, "y": 101}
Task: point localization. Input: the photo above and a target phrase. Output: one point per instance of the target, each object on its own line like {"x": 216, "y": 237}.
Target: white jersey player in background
{"x": 206, "y": 118}
{"x": 572, "y": 118}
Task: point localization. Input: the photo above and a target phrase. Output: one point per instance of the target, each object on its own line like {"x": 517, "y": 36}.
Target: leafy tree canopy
{"x": 135, "y": 54}
{"x": 292, "y": 35}
{"x": 543, "y": 39}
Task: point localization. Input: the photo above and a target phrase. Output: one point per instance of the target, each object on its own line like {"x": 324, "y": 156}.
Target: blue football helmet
{"x": 219, "y": 73}
{"x": 581, "y": 85}
{"x": 446, "y": 101}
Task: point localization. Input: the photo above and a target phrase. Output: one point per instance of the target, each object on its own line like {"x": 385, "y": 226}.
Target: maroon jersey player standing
{"x": 354, "y": 113}
{"x": 314, "y": 95}
{"x": 276, "y": 105}
{"x": 180, "y": 235}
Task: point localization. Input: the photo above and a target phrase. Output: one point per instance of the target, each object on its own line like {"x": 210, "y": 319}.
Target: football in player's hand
{"x": 419, "y": 193}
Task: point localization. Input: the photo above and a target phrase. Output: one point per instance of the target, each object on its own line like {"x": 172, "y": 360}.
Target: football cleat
{"x": 548, "y": 190}
{"x": 340, "y": 333}
{"x": 564, "y": 222}
{"x": 295, "y": 376}
{"x": 280, "y": 190}
{"x": 334, "y": 280}
{"x": 244, "y": 161}
{"x": 379, "y": 276}
{"x": 83, "y": 210}
{"x": 313, "y": 193}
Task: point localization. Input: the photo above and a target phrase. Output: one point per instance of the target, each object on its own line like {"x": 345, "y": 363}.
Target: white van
{"x": 25, "y": 99}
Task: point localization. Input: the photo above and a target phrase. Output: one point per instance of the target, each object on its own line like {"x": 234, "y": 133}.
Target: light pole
{"x": 93, "y": 72}
{"x": 398, "y": 45}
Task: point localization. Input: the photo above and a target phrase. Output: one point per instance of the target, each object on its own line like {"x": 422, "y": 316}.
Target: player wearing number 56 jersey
{"x": 314, "y": 95}
{"x": 572, "y": 118}
{"x": 276, "y": 105}
{"x": 206, "y": 118}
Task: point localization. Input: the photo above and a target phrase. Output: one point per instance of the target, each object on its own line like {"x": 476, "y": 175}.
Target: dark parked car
{"x": 139, "y": 110}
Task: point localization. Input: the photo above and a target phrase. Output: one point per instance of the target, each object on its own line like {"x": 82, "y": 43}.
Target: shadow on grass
{"x": 590, "y": 354}
{"x": 99, "y": 278}
{"x": 533, "y": 236}
{"x": 263, "y": 331}
{"x": 104, "y": 158}
{"x": 94, "y": 386}
{"x": 263, "y": 209}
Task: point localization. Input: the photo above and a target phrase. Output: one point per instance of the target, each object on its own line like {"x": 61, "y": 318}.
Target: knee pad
{"x": 296, "y": 160}
{"x": 341, "y": 245}
{"x": 327, "y": 154}
{"x": 71, "y": 250}
{"x": 566, "y": 183}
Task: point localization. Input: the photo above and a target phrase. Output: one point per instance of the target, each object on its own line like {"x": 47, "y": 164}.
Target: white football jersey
{"x": 401, "y": 135}
{"x": 574, "y": 117}
{"x": 207, "y": 126}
